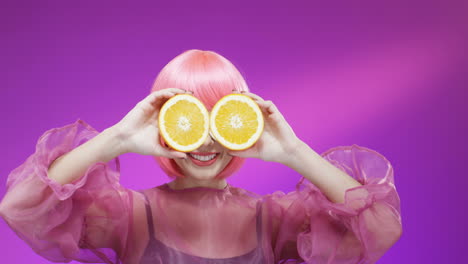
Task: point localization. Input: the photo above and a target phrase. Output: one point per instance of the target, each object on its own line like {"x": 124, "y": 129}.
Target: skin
{"x": 278, "y": 143}
{"x": 203, "y": 176}
{"x": 138, "y": 132}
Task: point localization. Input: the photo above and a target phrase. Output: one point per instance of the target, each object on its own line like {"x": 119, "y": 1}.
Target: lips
{"x": 203, "y": 158}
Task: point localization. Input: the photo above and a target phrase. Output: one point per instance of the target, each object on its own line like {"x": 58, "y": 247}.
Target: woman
{"x": 66, "y": 202}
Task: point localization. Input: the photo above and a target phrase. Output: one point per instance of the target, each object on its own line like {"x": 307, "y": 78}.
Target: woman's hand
{"x": 277, "y": 142}
{"x": 139, "y": 131}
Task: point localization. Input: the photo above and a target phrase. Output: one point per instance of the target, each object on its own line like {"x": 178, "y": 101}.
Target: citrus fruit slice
{"x": 184, "y": 122}
{"x": 236, "y": 121}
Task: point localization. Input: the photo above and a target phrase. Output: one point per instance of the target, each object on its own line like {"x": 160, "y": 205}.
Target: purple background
{"x": 388, "y": 76}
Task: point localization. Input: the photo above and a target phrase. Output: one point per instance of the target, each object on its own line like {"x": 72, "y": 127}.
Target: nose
{"x": 209, "y": 141}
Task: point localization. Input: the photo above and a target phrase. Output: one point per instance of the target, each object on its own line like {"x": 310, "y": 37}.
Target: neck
{"x": 184, "y": 183}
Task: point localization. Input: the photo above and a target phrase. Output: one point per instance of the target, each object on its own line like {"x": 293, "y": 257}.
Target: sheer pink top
{"x": 156, "y": 251}
{"x": 95, "y": 219}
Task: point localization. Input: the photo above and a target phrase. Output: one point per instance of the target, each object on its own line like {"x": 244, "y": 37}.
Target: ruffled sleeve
{"x": 86, "y": 220}
{"x": 312, "y": 229}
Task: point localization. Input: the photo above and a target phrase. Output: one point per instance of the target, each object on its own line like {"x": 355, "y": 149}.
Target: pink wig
{"x": 209, "y": 76}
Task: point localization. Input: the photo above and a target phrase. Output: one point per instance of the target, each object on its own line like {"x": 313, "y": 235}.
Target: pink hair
{"x": 209, "y": 76}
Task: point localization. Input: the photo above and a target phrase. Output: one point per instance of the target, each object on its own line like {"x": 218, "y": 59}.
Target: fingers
{"x": 155, "y": 98}
{"x": 253, "y": 96}
{"x": 171, "y": 154}
{"x": 268, "y": 106}
{"x": 248, "y": 153}
{"x": 165, "y": 151}
{"x": 173, "y": 90}
{"x": 168, "y": 92}
{"x": 176, "y": 91}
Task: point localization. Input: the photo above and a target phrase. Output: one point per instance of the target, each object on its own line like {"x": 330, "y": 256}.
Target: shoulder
{"x": 241, "y": 192}
{"x": 251, "y": 198}
{"x": 143, "y": 196}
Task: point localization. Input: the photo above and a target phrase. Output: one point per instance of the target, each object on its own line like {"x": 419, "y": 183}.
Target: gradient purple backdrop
{"x": 391, "y": 77}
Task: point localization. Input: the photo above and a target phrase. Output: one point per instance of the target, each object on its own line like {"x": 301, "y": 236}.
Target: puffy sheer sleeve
{"x": 309, "y": 228}
{"x": 86, "y": 220}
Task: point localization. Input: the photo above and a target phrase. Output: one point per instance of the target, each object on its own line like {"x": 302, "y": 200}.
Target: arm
{"x": 365, "y": 202}
{"x": 66, "y": 200}
{"x": 345, "y": 208}
{"x": 359, "y": 230}
{"x": 332, "y": 181}
{"x": 86, "y": 219}
{"x": 129, "y": 135}
{"x": 72, "y": 165}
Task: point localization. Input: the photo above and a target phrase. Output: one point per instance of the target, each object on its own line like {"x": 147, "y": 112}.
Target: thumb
{"x": 248, "y": 153}
{"x": 173, "y": 154}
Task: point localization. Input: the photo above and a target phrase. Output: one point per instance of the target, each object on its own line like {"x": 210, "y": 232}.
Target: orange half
{"x": 236, "y": 121}
{"x": 184, "y": 122}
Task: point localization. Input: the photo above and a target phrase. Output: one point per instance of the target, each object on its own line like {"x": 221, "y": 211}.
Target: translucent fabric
{"x": 95, "y": 219}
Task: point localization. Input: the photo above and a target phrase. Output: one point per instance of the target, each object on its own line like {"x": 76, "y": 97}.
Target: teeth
{"x": 202, "y": 158}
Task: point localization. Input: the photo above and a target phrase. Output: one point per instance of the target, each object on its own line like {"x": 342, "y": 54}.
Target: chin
{"x": 202, "y": 175}
{"x": 191, "y": 170}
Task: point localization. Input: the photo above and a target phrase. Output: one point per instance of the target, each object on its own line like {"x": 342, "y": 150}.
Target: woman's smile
{"x": 203, "y": 158}
{"x": 206, "y": 162}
